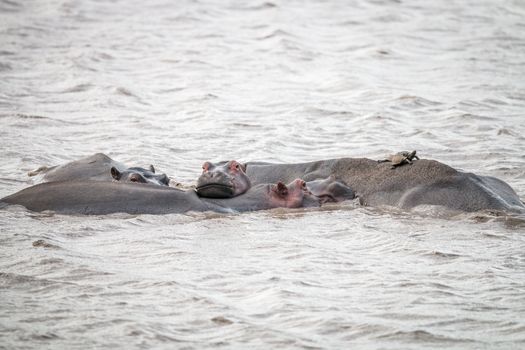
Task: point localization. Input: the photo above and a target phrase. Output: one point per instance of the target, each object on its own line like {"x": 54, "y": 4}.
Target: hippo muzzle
{"x": 215, "y": 190}
{"x": 225, "y": 180}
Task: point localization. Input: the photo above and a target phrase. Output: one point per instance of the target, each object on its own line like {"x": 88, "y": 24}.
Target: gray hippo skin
{"x": 223, "y": 180}
{"x": 99, "y": 198}
{"x": 141, "y": 175}
{"x": 226, "y": 179}
{"x": 100, "y": 167}
{"x": 330, "y": 190}
{"x": 425, "y": 182}
{"x": 96, "y": 167}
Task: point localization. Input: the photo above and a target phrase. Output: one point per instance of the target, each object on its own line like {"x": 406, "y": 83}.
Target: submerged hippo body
{"x": 267, "y": 196}
{"x": 96, "y": 167}
{"x": 426, "y": 182}
{"x": 100, "y": 167}
{"x": 100, "y": 197}
{"x": 330, "y": 190}
{"x": 103, "y": 197}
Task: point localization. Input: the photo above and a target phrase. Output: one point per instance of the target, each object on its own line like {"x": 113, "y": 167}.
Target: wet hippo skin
{"x": 141, "y": 175}
{"x": 425, "y": 182}
{"x": 100, "y": 167}
{"x": 95, "y": 167}
{"x": 100, "y": 197}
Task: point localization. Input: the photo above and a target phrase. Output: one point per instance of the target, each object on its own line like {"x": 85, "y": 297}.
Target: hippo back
{"x": 96, "y": 167}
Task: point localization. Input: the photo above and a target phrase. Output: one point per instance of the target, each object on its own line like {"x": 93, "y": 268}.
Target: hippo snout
{"x": 215, "y": 185}
{"x": 224, "y": 180}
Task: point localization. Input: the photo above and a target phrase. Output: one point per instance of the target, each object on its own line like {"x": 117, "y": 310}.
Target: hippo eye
{"x": 237, "y": 166}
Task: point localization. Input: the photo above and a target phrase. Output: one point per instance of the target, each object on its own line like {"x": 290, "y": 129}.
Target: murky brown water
{"x": 177, "y": 83}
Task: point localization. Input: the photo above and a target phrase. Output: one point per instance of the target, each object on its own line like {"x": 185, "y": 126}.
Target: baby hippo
{"x": 268, "y": 196}
{"x": 141, "y": 175}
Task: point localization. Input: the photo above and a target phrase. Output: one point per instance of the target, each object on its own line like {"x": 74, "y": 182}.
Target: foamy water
{"x": 175, "y": 84}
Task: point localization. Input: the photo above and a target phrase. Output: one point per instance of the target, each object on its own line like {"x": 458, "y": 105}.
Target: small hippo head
{"x": 141, "y": 175}
{"x": 293, "y": 195}
{"x": 223, "y": 180}
{"x": 330, "y": 190}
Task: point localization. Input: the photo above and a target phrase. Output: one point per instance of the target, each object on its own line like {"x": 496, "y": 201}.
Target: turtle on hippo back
{"x": 400, "y": 158}
{"x": 426, "y": 182}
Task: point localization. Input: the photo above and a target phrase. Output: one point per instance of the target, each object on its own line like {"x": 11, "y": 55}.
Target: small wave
{"x": 421, "y": 335}
{"x": 24, "y": 116}
{"x": 277, "y": 33}
{"x": 264, "y": 6}
{"x": 78, "y": 88}
{"x": 438, "y": 254}
{"x": 221, "y": 320}
{"x": 505, "y": 131}
{"x": 45, "y": 336}
{"x": 51, "y": 261}
{"x": 476, "y": 117}
{"x": 494, "y": 101}
{"x": 8, "y": 279}
{"x": 5, "y": 66}
{"x": 124, "y": 91}
{"x": 413, "y": 102}
{"x": 10, "y": 6}
{"x": 42, "y": 243}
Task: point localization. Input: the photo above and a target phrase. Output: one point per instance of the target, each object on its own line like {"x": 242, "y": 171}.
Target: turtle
{"x": 400, "y": 158}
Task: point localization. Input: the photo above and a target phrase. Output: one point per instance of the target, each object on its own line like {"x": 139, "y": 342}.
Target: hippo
{"x": 267, "y": 196}
{"x": 330, "y": 190}
{"x": 95, "y": 167}
{"x": 99, "y": 167}
{"x": 141, "y": 175}
{"x": 223, "y": 180}
{"x": 425, "y": 182}
{"x": 89, "y": 197}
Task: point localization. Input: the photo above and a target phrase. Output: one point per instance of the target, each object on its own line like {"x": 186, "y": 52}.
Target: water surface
{"x": 176, "y": 83}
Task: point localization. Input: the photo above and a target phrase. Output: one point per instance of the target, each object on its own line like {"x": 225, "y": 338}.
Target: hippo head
{"x": 330, "y": 190}
{"x": 293, "y": 195}
{"x": 141, "y": 175}
{"x": 224, "y": 180}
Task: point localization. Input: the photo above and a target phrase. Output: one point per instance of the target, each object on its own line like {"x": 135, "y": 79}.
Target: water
{"x": 177, "y": 83}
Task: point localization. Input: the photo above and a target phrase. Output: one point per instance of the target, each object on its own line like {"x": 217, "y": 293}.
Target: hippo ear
{"x": 244, "y": 166}
{"x": 151, "y": 168}
{"x": 282, "y": 190}
{"x": 164, "y": 179}
{"x": 115, "y": 173}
